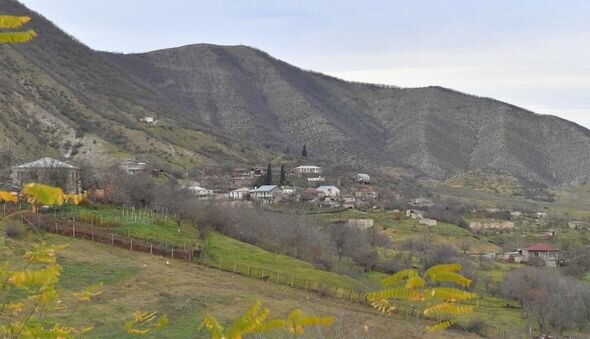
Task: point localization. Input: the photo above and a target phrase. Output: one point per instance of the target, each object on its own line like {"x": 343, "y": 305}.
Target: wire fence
{"x": 197, "y": 254}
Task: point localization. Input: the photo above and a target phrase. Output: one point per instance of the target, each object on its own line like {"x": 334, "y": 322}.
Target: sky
{"x": 531, "y": 53}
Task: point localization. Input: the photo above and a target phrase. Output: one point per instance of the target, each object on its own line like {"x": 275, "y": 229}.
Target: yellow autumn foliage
{"x": 412, "y": 287}
{"x": 8, "y": 196}
{"x": 11, "y": 22}
{"x": 254, "y": 320}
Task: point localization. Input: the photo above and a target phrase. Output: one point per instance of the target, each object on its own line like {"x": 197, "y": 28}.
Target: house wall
{"x": 68, "y": 179}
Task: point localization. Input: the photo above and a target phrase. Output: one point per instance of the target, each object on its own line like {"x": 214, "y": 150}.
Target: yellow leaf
{"x": 441, "y": 326}
{"x": 40, "y": 194}
{"x": 8, "y": 196}
{"x": 17, "y": 37}
{"x": 9, "y": 21}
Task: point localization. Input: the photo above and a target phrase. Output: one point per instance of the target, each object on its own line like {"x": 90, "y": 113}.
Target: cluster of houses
{"x": 546, "y": 253}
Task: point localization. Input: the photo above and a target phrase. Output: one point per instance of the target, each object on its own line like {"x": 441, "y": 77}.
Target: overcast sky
{"x": 532, "y": 53}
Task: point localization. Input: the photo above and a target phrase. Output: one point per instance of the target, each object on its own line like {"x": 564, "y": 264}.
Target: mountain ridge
{"x": 237, "y": 104}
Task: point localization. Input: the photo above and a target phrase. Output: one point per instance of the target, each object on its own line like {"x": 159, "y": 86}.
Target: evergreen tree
{"x": 283, "y": 176}
{"x": 304, "y": 151}
{"x": 268, "y": 179}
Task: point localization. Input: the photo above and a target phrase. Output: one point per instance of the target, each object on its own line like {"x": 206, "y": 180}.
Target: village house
{"x": 265, "y": 194}
{"x": 201, "y": 192}
{"x": 360, "y": 223}
{"x": 246, "y": 176}
{"x": 578, "y": 225}
{"x": 547, "y": 252}
{"x": 422, "y": 203}
{"x": 348, "y": 201}
{"x": 428, "y": 222}
{"x": 415, "y": 214}
{"x": 133, "y": 166}
{"x": 239, "y": 194}
{"x": 315, "y": 182}
{"x": 311, "y": 195}
{"x": 330, "y": 191}
{"x": 366, "y": 194}
{"x": 306, "y": 170}
{"x": 362, "y": 178}
{"x": 48, "y": 171}
{"x": 148, "y": 120}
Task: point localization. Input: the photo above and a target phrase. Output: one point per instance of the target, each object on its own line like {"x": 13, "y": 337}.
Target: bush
{"x": 13, "y": 230}
{"x": 475, "y": 326}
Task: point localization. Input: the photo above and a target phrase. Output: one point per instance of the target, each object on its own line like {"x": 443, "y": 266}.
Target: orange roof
{"x": 540, "y": 247}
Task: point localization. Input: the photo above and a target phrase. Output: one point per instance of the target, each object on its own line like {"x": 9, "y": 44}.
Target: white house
{"x": 265, "y": 193}
{"x": 308, "y": 170}
{"x": 239, "y": 194}
{"x": 133, "y": 166}
{"x": 200, "y": 192}
{"x": 362, "y": 178}
{"x": 330, "y": 191}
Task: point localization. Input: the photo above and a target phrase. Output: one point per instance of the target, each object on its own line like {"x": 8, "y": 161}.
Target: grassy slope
{"x": 491, "y": 309}
{"x": 186, "y": 292}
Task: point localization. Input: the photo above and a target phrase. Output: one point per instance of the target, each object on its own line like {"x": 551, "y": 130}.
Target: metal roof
{"x": 264, "y": 188}
{"x": 540, "y": 247}
{"x": 46, "y": 163}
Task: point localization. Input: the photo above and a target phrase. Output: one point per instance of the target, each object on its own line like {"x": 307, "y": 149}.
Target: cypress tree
{"x": 268, "y": 180}
{"x": 283, "y": 175}
{"x": 304, "y": 151}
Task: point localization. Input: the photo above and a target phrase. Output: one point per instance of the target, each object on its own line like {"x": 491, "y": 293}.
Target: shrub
{"x": 13, "y": 230}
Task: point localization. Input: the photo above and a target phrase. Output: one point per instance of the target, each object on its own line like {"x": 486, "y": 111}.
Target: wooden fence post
{"x": 56, "y": 229}
{"x": 92, "y": 230}
{"x": 235, "y": 267}
{"x": 112, "y": 240}
{"x": 151, "y": 249}
{"x": 131, "y": 244}
{"x": 220, "y": 262}
{"x": 74, "y": 231}
{"x": 277, "y": 277}
{"x": 262, "y": 274}
{"x": 292, "y": 279}
{"x": 172, "y": 253}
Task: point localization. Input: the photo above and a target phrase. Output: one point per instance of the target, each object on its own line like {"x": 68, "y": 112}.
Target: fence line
{"x": 194, "y": 254}
{"x": 198, "y": 255}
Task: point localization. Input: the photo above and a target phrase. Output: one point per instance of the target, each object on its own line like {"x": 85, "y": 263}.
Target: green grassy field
{"x": 491, "y": 310}
{"x": 186, "y": 292}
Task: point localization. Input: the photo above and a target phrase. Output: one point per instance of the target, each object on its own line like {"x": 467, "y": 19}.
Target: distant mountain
{"x": 219, "y": 103}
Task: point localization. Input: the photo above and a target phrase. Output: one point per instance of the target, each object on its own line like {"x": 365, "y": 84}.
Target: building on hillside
{"x": 240, "y": 193}
{"x": 246, "y": 176}
{"x": 311, "y": 195}
{"x": 366, "y": 194}
{"x": 48, "y": 171}
{"x": 288, "y": 190}
{"x": 547, "y": 252}
{"x": 428, "y": 222}
{"x": 578, "y": 225}
{"x": 422, "y": 203}
{"x": 360, "y": 223}
{"x": 148, "y": 120}
{"x": 330, "y": 191}
{"x": 201, "y": 192}
{"x": 307, "y": 170}
{"x": 349, "y": 201}
{"x": 362, "y": 178}
{"x": 315, "y": 182}
{"x": 265, "y": 194}
{"x": 133, "y": 166}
